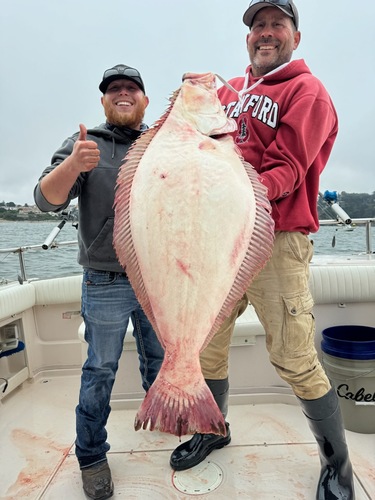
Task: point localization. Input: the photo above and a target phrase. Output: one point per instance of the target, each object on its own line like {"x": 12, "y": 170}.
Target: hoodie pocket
{"x": 101, "y": 249}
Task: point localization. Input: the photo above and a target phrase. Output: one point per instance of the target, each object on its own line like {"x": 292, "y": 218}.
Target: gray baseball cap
{"x": 121, "y": 71}
{"x": 287, "y": 6}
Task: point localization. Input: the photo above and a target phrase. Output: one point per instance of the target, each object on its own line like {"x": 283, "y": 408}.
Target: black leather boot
{"x": 325, "y": 421}
{"x": 194, "y": 451}
{"x": 97, "y": 481}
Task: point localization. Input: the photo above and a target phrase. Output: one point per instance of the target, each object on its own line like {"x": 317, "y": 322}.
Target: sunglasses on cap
{"x": 121, "y": 71}
{"x": 287, "y": 4}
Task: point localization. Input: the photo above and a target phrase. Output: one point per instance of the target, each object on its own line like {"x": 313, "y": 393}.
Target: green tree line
{"x": 11, "y": 212}
{"x": 356, "y": 205}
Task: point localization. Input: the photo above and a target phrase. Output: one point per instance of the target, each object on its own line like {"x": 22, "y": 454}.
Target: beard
{"x": 131, "y": 120}
{"x": 264, "y": 64}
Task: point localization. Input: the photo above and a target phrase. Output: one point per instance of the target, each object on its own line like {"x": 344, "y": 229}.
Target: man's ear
{"x": 297, "y": 39}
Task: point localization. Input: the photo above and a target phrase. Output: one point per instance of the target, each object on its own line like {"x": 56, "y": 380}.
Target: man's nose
{"x": 123, "y": 89}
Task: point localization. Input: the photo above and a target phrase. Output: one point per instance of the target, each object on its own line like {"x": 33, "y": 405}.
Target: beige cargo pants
{"x": 282, "y": 300}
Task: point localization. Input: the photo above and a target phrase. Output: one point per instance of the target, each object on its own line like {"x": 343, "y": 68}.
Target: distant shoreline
{"x": 29, "y": 220}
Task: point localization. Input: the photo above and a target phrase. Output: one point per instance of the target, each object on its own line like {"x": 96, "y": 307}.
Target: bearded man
{"x": 86, "y": 167}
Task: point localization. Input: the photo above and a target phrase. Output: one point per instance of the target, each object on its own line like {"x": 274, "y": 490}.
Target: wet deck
{"x": 272, "y": 454}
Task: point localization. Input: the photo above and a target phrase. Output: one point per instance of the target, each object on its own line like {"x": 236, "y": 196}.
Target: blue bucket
{"x": 348, "y": 358}
{"x": 349, "y": 341}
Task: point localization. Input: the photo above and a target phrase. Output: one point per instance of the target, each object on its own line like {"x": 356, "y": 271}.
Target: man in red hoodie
{"x": 287, "y": 126}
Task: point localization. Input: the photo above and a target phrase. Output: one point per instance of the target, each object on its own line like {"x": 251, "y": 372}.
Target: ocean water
{"x": 62, "y": 261}
{"x": 39, "y": 263}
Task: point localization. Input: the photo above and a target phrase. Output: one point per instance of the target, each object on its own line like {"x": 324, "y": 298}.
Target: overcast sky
{"x": 53, "y": 54}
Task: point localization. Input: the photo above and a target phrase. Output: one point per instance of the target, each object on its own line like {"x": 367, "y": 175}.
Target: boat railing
{"x": 366, "y": 222}
{"x": 50, "y": 242}
{"x": 20, "y": 252}
{"x": 68, "y": 215}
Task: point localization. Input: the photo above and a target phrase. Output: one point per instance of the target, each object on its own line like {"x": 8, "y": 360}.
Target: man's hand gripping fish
{"x": 192, "y": 228}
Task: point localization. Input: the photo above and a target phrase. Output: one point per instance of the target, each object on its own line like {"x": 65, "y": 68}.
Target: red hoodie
{"x": 286, "y": 129}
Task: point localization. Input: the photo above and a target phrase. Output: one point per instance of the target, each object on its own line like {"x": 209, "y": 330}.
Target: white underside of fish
{"x": 191, "y": 230}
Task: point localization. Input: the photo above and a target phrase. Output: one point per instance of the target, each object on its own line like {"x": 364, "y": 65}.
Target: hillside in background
{"x": 12, "y": 212}
{"x": 356, "y": 205}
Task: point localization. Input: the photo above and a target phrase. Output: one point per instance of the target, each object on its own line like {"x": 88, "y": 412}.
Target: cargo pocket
{"x": 299, "y": 325}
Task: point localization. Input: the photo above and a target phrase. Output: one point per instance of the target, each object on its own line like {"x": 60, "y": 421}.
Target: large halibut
{"x": 192, "y": 228}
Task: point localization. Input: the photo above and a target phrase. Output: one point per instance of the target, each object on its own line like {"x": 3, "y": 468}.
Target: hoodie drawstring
{"x": 245, "y": 89}
{"x": 113, "y": 147}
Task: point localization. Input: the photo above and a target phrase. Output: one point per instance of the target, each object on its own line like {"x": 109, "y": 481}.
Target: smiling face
{"x": 124, "y": 104}
{"x": 271, "y": 40}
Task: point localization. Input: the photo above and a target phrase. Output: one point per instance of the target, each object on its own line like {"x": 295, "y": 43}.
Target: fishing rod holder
{"x": 330, "y": 197}
{"x": 66, "y": 216}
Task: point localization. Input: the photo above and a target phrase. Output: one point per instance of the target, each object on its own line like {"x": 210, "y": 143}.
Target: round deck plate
{"x": 202, "y": 478}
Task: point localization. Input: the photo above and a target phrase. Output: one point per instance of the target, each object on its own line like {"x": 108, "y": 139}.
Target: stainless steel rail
{"x": 358, "y": 222}
{"x": 20, "y": 251}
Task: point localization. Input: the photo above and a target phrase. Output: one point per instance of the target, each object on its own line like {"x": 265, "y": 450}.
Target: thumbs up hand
{"x": 82, "y": 132}
{"x": 85, "y": 155}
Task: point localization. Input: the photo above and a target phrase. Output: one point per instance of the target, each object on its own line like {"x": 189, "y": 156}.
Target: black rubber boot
{"x": 194, "y": 451}
{"x": 325, "y": 422}
{"x": 97, "y": 481}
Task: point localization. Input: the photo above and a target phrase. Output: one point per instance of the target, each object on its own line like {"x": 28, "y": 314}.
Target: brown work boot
{"x": 97, "y": 481}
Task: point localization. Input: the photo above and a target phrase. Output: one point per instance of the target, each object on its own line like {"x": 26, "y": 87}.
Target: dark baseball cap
{"x": 287, "y": 6}
{"x": 121, "y": 71}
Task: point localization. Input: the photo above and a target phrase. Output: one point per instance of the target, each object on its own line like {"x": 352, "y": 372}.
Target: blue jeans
{"x": 108, "y": 301}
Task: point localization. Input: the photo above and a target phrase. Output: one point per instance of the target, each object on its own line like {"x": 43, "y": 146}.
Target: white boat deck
{"x": 272, "y": 455}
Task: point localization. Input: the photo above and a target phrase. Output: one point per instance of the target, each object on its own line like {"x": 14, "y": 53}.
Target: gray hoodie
{"x": 95, "y": 191}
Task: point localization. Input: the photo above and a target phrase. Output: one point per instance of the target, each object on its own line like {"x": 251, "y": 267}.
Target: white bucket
{"x": 354, "y": 379}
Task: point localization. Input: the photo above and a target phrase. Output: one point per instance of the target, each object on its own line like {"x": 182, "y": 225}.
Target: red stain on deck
{"x": 41, "y": 456}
